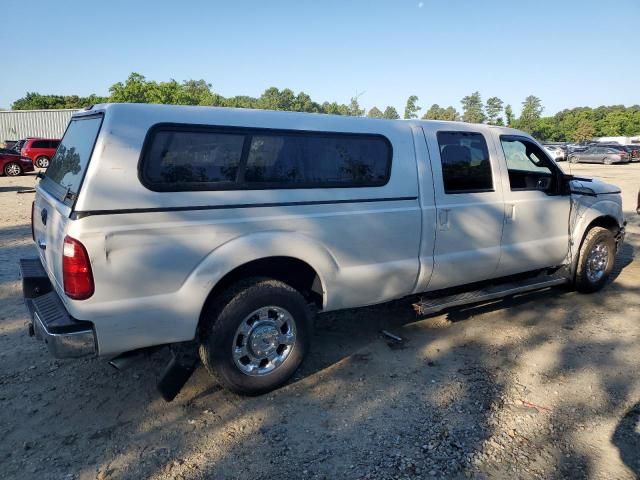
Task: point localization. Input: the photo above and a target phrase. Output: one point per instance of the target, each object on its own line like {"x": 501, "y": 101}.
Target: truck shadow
{"x": 626, "y": 438}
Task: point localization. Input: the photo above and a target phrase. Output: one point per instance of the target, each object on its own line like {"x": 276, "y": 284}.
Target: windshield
{"x": 63, "y": 177}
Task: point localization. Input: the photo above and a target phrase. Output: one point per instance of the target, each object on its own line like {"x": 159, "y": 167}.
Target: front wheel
{"x": 608, "y": 161}
{"x": 255, "y": 335}
{"x": 596, "y": 259}
{"x": 573, "y": 159}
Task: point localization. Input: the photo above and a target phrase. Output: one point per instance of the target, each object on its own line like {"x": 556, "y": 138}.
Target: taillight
{"x": 76, "y": 270}
{"x": 33, "y": 233}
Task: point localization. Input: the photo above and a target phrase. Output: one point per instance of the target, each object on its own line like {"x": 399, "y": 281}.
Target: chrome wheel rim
{"x": 264, "y": 340}
{"x": 13, "y": 169}
{"x": 43, "y": 162}
{"x": 597, "y": 262}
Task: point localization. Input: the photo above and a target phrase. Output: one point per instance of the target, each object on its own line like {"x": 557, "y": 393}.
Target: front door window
{"x": 528, "y": 165}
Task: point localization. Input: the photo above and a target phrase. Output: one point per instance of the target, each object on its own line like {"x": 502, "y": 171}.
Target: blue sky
{"x": 569, "y": 53}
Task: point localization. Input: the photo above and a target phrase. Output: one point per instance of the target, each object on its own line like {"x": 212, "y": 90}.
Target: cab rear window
{"x": 66, "y": 171}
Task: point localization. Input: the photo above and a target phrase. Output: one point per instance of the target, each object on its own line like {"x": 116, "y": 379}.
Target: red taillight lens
{"x": 33, "y": 233}
{"x": 76, "y": 270}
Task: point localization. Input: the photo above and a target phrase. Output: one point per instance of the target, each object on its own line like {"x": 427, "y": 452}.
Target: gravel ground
{"x": 545, "y": 385}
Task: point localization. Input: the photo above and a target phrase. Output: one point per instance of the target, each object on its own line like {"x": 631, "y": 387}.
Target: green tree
{"x": 584, "y": 131}
{"x": 435, "y": 112}
{"x": 531, "y": 113}
{"x": 472, "y": 108}
{"x": 163, "y": 92}
{"x": 334, "y": 108}
{"x": 375, "y": 112}
{"x": 36, "y": 101}
{"x": 303, "y": 103}
{"x": 494, "y": 109}
{"x": 241, "y": 101}
{"x": 391, "y": 113}
{"x": 411, "y": 109}
{"x": 354, "y": 109}
{"x": 508, "y": 114}
{"x": 451, "y": 114}
{"x": 134, "y": 90}
{"x": 197, "y": 92}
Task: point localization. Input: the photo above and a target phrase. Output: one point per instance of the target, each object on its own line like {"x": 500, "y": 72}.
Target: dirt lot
{"x": 546, "y": 385}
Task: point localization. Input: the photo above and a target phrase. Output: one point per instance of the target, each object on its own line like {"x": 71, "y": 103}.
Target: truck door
{"x": 469, "y": 206}
{"x": 536, "y": 230}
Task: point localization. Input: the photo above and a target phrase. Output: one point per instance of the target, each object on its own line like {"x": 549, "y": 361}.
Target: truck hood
{"x": 592, "y": 186}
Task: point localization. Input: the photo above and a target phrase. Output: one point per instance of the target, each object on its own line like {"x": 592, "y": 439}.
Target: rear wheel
{"x": 608, "y": 161}
{"x": 596, "y": 259}
{"x": 12, "y": 169}
{"x": 42, "y": 162}
{"x": 255, "y": 335}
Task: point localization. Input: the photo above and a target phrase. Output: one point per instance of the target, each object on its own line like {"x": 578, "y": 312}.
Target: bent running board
{"x": 493, "y": 292}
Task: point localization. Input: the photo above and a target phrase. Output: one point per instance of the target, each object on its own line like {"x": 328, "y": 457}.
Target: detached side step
{"x": 434, "y": 305}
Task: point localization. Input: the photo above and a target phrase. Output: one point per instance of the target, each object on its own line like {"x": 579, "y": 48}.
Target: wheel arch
{"x": 605, "y": 214}
{"x": 292, "y": 258}
{"x": 605, "y": 221}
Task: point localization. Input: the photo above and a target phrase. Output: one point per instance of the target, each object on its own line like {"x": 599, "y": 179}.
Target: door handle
{"x": 510, "y": 213}
{"x": 443, "y": 219}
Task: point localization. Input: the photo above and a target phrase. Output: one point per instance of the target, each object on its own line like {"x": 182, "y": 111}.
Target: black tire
{"x": 12, "y": 169}
{"x": 42, "y": 162}
{"x": 584, "y": 281}
{"x": 220, "y": 323}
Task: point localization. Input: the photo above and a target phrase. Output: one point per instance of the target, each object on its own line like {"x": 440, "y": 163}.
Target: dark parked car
{"x": 632, "y": 150}
{"x": 18, "y": 145}
{"x": 40, "y": 150}
{"x": 12, "y": 164}
{"x": 576, "y": 147}
{"x": 599, "y": 154}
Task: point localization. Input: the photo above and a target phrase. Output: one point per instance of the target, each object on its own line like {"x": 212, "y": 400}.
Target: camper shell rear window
{"x": 69, "y": 164}
{"x": 192, "y": 157}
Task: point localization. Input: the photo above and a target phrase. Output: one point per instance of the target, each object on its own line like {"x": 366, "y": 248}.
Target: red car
{"x": 12, "y": 164}
{"x": 40, "y": 150}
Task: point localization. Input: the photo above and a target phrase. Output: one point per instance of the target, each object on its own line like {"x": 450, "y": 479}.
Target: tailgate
{"x": 50, "y": 218}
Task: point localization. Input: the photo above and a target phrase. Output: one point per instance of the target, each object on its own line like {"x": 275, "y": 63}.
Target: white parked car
{"x": 225, "y": 229}
{"x": 555, "y": 152}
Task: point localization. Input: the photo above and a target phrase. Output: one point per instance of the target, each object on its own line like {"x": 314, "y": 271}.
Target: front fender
{"x": 244, "y": 249}
{"x": 587, "y": 210}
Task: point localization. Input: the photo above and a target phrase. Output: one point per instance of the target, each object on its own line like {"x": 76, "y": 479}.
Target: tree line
{"x": 576, "y": 124}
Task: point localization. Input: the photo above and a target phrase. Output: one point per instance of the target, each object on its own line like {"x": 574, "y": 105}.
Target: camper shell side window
{"x": 194, "y": 157}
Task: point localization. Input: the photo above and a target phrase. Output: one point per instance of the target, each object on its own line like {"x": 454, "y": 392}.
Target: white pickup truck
{"x": 227, "y": 228}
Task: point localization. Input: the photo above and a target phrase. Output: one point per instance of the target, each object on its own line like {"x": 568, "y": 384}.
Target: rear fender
{"x": 242, "y": 250}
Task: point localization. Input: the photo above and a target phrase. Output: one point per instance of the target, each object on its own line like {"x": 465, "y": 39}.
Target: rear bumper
{"x": 65, "y": 336}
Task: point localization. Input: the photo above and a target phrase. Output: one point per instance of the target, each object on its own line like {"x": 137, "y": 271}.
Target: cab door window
{"x": 529, "y": 167}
